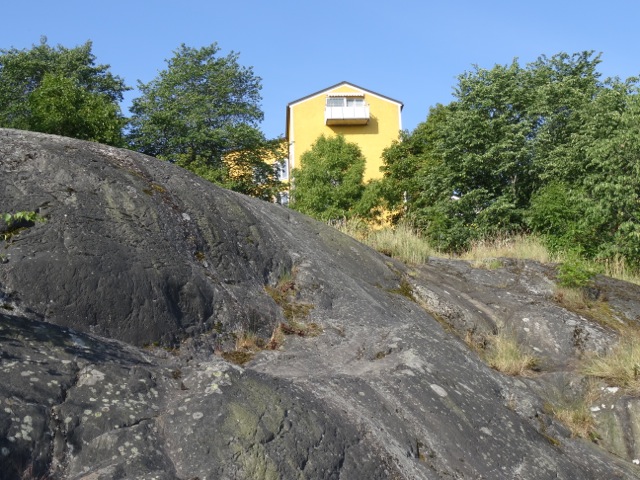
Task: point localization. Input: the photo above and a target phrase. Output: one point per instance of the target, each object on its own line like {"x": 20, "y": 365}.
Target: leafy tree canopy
{"x": 60, "y": 90}
{"x": 203, "y": 111}
{"x": 547, "y": 147}
{"x": 329, "y": 184}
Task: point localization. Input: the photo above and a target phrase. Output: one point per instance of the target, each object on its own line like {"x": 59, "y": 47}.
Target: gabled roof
{"x": 324, "y": 90}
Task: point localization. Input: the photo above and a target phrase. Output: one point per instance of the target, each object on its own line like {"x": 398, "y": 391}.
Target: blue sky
{"x": 410, "y": 50}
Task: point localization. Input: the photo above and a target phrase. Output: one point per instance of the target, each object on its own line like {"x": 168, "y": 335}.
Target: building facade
{"x": 368, "y": 119}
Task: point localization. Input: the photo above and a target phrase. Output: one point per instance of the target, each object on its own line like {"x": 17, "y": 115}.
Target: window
{"x": 283, "y": 169}
{"x": 345, "y": 101}
{"x": 335, "y": 101}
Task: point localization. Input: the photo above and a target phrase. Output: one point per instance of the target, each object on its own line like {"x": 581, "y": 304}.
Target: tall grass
{"x": 621, "y": 365}
{"x": 401, "y": 242}
{"x": 617, "y": 267}
{"x": 526, "y": 247}
{"x": 405, "y": 243}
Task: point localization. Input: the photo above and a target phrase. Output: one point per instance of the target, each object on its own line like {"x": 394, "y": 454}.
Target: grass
{"x": 284, "y": 294}
{"x": 405, "y": 243}
{"x": 573, "y": 411}
{"x": 617, "y": 267}
{"x": 247, "y": 345}
{"x": 620, "y": 366}
{"x": 295, "y": 312}
{"x": 401, "y": 242}
{"x": 525, "y": 247}
{"x": 598, "y": 310}
{"x": 504, "y": 354}
{"x": 405, "y": 289}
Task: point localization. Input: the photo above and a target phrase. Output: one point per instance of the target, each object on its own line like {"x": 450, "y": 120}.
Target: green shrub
{"x": 575, "y": 273}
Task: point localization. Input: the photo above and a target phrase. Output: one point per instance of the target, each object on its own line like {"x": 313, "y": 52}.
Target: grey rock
{"x": 115, "y": 310}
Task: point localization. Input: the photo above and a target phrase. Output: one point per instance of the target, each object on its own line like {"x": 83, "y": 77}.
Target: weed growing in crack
{"x": 506, "y": 355}
{"x": 573, "y": 410}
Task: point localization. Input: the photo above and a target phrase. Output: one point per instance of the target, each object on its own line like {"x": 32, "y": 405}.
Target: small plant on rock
{"x": 15, "y": 222}
{"x": 506, "y": 355}
{"x": 296, "y": 312}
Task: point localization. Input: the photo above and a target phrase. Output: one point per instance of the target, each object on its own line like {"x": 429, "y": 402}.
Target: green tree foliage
{"x": 61, "y": 106}
{"x": 201, "y": 110}
{"x": 60, "y": 90}
{"x": 329, "y": 184}
{"x": 547, "y": 147}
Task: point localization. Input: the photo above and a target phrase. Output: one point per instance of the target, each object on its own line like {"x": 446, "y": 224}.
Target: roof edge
{"x": 319, "y": 92}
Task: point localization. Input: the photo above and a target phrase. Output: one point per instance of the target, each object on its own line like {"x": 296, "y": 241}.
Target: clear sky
{"x": 410, "y": 50}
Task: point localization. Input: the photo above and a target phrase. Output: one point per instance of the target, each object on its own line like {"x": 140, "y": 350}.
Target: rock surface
{"x": 116, "y": 313}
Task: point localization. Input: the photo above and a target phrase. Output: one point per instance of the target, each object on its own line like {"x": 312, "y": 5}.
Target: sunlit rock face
{"x": 125, "y": 313}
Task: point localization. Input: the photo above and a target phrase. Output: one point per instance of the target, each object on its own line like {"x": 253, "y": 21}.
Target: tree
{"x": 201, "y": 112}
{"x": 62, "y": 91}
{"x": 510, "y": 131}
{"x": 411, "y": 161}
{"x": 62, "y": 107}
{"x": 329, "y": 184}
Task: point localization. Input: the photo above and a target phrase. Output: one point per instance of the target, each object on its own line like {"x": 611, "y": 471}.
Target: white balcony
{"x": 351, "y": 115}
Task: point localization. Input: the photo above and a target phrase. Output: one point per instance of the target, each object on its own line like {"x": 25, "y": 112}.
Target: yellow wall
{"x": 307, "y": 123}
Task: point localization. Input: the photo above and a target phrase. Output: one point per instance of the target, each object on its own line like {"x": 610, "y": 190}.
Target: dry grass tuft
{"x": 506, "y": 355}
{"x": 598, "y": 310}
{"x": 574, "y": 410}
{"x": 620, "y": 366}
{"x": 617, "y": 267}
{"x": 525, "y": 247}
{"x": 401, "y": 241}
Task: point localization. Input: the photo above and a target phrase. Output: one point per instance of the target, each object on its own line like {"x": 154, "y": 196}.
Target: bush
{"x": 575, "y": 273}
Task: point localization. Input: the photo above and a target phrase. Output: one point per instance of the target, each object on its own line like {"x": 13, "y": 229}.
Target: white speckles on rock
{"x": 26, "y": 373}
{"x": 90, "y": 376}
{"x": 439, "y": 390}
{"x": 197, "y": 415}
{"x": 5, "y": 451}
{"x": 486, "y": 431}
{"x": 412, "y": 360}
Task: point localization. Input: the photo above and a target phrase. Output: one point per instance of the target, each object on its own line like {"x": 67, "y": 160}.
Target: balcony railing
{"x": 352, "y": 115}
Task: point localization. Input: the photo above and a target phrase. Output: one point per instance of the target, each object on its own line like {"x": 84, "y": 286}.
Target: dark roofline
{"x": 343, "y": 83}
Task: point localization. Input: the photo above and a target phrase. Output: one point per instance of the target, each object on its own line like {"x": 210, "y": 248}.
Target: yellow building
{"x": 368, "y": 119}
